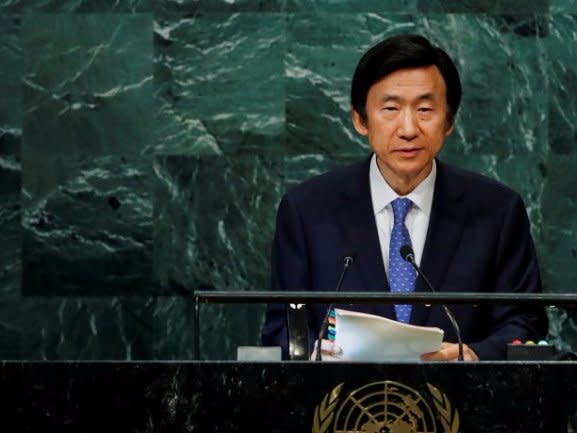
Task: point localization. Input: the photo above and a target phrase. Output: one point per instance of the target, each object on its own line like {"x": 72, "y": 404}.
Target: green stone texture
{"x": 351, "y": 6}
{"x": 10, "y": 185}
{"x": 485, "y": 6}
{"x": 92, "y": 234}
{"x": 201, "y": 7}
{"x": 210, "y": 106}
{"x": 84, "y": 328}
{"x": 88, "y": 109}
{"x": 214, "y": 218}
{"x": 563, "y": 6}
{"x": 145, "y": 146}
{"x": 78, "y": 6}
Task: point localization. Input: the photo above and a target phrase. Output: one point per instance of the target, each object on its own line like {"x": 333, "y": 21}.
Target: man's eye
{"x": 390, "y": 108}
{"x": 425, "y": 109}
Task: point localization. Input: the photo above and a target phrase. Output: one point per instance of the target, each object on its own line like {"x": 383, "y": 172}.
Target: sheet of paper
{"x": 366, "y": 337}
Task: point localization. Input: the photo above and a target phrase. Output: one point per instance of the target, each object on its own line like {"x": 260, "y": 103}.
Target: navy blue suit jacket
{"x": 478, "y": 240}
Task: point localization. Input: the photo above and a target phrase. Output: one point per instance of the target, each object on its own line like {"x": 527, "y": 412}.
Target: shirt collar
{"x": 382, "y": 194}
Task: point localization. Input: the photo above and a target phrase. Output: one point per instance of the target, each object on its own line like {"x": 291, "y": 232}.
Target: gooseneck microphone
{"x": 407, "y": 254}
{"x": 347, "y": 261}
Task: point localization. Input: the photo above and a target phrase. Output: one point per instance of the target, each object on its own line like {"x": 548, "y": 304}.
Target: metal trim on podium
{"x": 304, "y": 297}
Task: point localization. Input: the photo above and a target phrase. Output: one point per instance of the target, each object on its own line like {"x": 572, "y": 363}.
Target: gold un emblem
{"x": 385, "y": 407}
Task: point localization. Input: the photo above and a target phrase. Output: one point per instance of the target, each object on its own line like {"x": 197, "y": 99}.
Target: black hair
{"x": 402, "y": 52}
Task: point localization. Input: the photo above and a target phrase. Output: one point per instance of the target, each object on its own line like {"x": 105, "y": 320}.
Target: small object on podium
{"x": 332, "y": 330}
{"x": 529, "y": 351}
{"x": 258, "y": 354}
{"x": 298, "y": 333}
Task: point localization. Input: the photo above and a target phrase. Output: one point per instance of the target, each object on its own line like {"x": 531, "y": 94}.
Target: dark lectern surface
{"x": 293, "y": 397}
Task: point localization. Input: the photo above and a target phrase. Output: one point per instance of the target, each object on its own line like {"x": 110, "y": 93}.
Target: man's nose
{"x": 408, "y": 127}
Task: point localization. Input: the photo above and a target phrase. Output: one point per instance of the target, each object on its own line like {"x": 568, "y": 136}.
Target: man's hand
{"x": 329, "y": 351}
{"x": 450, "y": 352}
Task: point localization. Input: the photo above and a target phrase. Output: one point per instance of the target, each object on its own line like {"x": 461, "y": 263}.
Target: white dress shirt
{"x": 417, "y": 220}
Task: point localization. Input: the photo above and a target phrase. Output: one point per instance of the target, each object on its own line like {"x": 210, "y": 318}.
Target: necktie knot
{"x": 401, "y": 207}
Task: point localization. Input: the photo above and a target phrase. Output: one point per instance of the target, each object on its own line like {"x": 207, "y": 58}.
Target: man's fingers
{"x": 439, "y": 355}
{"x": 328, "y": 346}
{"x": 330, "y": 351}
{"x": 450, "y": 352}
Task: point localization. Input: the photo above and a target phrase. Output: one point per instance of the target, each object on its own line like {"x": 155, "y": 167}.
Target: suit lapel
{"x": 357, "y": 221}
{"x": 448, "y": 218}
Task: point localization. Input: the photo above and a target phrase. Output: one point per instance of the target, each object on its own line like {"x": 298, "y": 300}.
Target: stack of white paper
{"x": 366, "y": 337}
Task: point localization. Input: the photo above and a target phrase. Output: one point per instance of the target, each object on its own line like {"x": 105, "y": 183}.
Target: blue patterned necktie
{"x": 402, "y": 275}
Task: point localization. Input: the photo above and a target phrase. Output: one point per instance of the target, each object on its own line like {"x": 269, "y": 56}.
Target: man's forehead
{"x": 427, "y": 96}
{"x": 421, "y": 83}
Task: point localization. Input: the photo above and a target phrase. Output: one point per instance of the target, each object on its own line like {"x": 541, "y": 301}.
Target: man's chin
{"x": 411, "y": 169}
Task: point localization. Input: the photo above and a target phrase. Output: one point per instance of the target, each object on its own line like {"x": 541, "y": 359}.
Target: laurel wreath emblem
{"x": 324, "y": 412}
{"x": 449, "y": 418}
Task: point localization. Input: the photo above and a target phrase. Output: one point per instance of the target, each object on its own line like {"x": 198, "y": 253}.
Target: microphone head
{"x": 407, "y": 253}
{"x": 349, "y": 257}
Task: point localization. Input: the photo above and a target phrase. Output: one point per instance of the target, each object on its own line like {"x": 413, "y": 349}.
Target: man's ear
{"x": 359, "y": 123}
{"x": 449, "y": 130}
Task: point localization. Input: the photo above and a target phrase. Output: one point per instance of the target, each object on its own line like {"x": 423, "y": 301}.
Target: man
{"x": 468, "y": 232}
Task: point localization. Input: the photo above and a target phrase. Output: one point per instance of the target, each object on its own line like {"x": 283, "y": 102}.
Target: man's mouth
{"x": 409, "y": 151}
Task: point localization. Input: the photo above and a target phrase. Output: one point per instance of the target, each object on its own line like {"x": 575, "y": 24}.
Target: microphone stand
{"x": 408, "y": 254}
{"x": 348, "y": 260}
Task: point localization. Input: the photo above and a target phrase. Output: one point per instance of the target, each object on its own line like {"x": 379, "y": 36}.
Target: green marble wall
{"x": 144, "y": 146}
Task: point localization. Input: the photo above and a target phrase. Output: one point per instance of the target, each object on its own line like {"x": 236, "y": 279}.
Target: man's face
{"x": 406, "y": 124}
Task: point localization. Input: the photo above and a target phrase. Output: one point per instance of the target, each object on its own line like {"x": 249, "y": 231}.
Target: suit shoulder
{"x": 330, "y": 184}
{"x": 480, "y": 185}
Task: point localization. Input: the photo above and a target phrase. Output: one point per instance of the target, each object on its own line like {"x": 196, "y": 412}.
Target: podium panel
{"x": 289, "y": 397}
